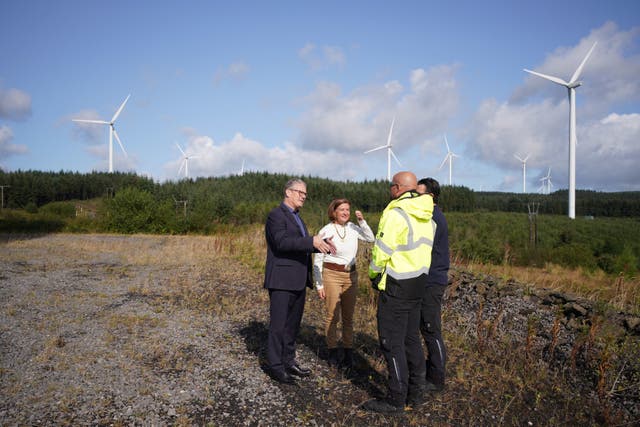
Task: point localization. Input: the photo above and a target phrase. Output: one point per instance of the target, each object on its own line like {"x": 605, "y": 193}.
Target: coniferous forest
{"x": 492, "y": 227}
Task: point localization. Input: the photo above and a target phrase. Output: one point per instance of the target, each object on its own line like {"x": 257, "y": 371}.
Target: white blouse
{"x": 345, "y": 238}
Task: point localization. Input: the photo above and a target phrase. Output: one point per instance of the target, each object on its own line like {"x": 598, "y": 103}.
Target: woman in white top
{"x": 336, "y": 278}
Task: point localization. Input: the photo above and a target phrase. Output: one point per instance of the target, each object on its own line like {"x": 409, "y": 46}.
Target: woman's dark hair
{"x": 433, "y": 187}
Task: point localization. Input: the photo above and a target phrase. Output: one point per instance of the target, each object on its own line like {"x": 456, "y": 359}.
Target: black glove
{"x": 375, "y": 281}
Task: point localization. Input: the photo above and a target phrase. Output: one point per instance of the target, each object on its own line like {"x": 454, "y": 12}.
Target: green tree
{"x": 130, "y": 211}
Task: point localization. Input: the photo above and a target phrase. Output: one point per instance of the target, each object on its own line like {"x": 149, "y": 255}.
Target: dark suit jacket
{"x": 288, "y": 252}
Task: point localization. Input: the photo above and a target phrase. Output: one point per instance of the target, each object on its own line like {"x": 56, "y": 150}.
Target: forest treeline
{"x": 495, "y": 228}
{"x": 33, "y": 189}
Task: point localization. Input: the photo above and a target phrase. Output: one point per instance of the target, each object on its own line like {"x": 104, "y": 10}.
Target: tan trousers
{"x": 340, "y": 290}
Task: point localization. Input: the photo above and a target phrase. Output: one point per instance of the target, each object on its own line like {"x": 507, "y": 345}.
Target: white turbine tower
{"x": 389, "y": 151}
{"x": 185, "y": 161}
{"x": 450, "y": 155}
{"x": 571, "y": 86}
{"x": 524, "y": 171}
{"x": 112, "y": 131}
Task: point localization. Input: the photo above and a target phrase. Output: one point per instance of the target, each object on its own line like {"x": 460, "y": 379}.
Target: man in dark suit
{"x": 287, "y": 274}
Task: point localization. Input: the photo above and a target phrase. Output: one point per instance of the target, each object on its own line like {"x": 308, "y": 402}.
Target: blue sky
{"x": 306, "y": 87}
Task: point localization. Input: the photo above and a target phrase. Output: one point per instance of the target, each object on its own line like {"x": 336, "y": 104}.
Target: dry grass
{"x": 618, "y": 292}
{"x": 492, "y": 379}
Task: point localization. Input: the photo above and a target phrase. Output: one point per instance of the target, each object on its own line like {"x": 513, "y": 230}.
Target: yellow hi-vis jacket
{"x": 405, "y": 237}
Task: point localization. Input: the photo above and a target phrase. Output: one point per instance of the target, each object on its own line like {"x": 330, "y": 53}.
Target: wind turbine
{"x": 112, "y": 131}
{"x": 524, "y": 171}
{"x": 546, "y": 183}
{"x": 389, "y": 152}
{"x": 450, "y": 155}
{"x": 571, "y": 86}
{"x": 185, "y": 161}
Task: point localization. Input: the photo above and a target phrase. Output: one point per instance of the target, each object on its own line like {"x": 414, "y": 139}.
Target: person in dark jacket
{"x": 437, "y": 280}
{"x": 287, "y": 274}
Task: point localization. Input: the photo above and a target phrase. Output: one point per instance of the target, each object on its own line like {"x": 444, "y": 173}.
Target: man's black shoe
{"x": 382, "y": 406}
{"x": 298, "y": 370}
{"x": 281, "y": 377}
{"x": 433, "y": 387}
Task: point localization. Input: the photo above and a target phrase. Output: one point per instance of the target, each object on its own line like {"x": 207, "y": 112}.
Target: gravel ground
{"x": 157, "y": 330}
{"x": 97, "y": 340}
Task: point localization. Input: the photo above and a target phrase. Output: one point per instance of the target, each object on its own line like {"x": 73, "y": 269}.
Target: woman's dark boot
{"x": 347, "y": 362}
{"x": 333, "y": 357}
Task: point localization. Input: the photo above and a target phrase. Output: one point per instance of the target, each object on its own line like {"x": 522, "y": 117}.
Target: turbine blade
{"x": 101, "y": 122}
{"x": 576, "y": 75}
{"x": 394, "y": 156}
{"x": 180, "y": 148}
{"x": 517, "y": 157}
{"x": 444, "y": 161}
{"x": 447, "y": 143}
{"x": 375, "y": 149}
{"x": 181, "y": 167}
{"x": 553, "y": 79}
{"x": 119, "y": 142}
{"x": 526, "y": 158}
{"x": 390, "y": 132}
{"x": 115, "y": 116}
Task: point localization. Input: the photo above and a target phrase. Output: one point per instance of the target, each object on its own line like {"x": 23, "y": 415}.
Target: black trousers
{"x": 431, "y": 329}
{"x": 398, "y": 331}
{"x": 285, "y": 312}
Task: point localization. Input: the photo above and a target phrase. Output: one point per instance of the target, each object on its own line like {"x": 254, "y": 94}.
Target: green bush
{"x": 31, "y": 207}
{"x": 130, "y": 211}
{"x": 59, "y": 209}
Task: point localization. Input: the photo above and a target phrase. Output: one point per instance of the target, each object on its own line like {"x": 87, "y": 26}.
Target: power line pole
{"x": 2, "y": 196}
{"x": 533, "y": 223}
{"x": 184, "y": 206}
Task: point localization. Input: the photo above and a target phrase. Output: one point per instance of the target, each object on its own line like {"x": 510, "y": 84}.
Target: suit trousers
{"x": 285, "y": 312}
{"x": 431, "y": 329}
{"x": 398, "y": 331}
{"x": 341, "y": 288}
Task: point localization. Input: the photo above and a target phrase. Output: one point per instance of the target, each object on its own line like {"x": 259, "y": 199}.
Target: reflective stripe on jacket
{"x": 405, "y": 237}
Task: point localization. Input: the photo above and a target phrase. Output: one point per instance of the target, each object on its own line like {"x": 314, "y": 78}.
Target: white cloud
{"x": 14, "y": 104}
{"x": 535, "y": 119}
{"x": 89, "y": 133}
{"x": 235, "y": 71}
{"x": 608, "y": 153}
{"x": 360, "y": 120}
{"x": 320, "y": 59}
{"x": 610, "y": 75}
{"x": 211, "y": 159}
{"x": 6, "y": 147}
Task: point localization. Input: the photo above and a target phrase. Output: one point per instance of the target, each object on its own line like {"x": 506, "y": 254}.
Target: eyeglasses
{"x": 300, "y": 192}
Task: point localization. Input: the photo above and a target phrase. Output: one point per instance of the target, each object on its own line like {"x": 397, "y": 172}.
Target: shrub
{"x": 130, "y": 211}
{"x": 59, "y": 209}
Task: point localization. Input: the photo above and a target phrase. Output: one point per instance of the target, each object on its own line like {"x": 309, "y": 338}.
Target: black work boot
{"x": 383, "y": 406}
{"x": 333, "y": 359}
{"x": 416, "y": 396}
